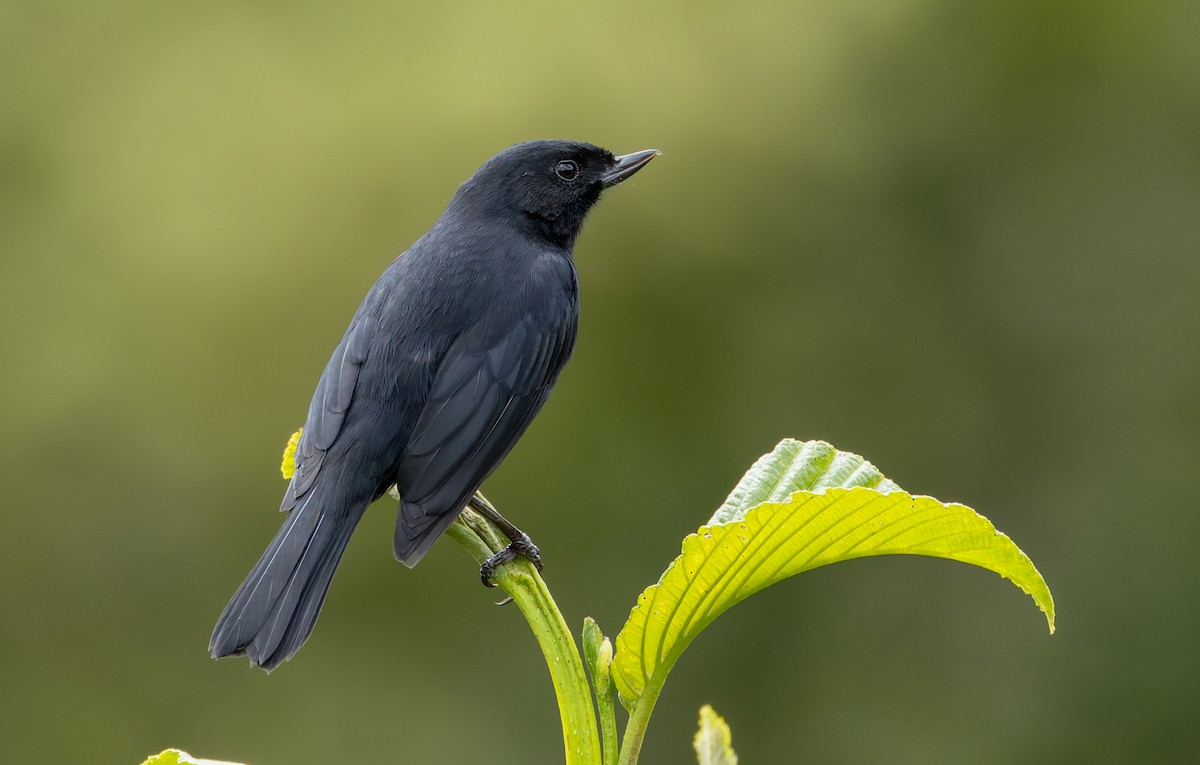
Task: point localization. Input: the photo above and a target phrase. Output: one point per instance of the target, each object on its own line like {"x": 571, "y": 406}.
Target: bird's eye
{"x": 567, "y": 170}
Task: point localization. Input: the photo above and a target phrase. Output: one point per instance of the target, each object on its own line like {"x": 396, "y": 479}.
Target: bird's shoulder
{"x": 486, "y": 267}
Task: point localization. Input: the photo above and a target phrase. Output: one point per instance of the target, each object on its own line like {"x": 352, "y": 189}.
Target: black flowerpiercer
{"x": 448, "y": 359}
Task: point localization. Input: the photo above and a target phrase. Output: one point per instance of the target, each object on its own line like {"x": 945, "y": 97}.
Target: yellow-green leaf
{"x": 288, "y": 467}
{"x": 592, "y": 637}
{"x": 744, "y": 550}
{"x": 597, "y": 656}
{"x": 177, "y": 757}
{"x": 713, "y": 742}
{"x": 794, "y": 466}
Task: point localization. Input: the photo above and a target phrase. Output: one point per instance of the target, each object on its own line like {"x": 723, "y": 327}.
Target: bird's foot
{"x": 522, "y": 546}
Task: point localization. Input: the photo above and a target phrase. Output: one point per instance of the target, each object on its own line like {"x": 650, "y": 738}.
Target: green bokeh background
{"x": 960, "y": 238}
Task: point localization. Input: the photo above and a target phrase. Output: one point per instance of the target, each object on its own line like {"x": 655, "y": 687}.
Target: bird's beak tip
{"x": 628, "y": 164}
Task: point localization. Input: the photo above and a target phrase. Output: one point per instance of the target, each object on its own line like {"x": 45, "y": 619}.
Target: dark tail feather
{"x": 273, "y": 612}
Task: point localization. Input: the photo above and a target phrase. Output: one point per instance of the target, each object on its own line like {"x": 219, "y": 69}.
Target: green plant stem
{"x": 608, "y": 726}
{"x": 639, "y": 718}
{"x": 521, "y": 581}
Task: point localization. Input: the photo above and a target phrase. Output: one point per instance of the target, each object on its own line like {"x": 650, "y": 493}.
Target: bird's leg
{"x": 519, "y": 542}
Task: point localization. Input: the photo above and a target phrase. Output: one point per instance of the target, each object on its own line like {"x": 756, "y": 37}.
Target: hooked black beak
{"x": 628, "y": 164}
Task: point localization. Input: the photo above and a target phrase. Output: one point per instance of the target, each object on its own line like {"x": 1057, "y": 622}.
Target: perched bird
{"x": 444, "y": 365}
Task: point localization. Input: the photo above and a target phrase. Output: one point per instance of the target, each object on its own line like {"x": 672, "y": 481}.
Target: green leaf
{"x": 592, "y": 638}
{"x": 713, "y": 740}
{"x": 805, "y": 520}
{"x": 798, "y": 466}
{"x": 177, "y": 757}
{"x": 597, "y": 656}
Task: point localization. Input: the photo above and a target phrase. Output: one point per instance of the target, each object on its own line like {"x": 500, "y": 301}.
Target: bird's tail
{"x": 273, "y": 612}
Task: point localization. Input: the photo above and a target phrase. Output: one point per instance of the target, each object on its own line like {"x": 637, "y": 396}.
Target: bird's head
{"x": 548, "y": 186}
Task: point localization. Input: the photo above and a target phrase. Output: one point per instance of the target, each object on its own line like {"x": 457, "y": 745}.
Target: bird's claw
{"x": 522, "y": 546}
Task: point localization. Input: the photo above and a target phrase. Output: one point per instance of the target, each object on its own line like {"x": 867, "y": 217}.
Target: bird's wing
{"x": 327, "y": 411}
{"x": 482, "y": 399}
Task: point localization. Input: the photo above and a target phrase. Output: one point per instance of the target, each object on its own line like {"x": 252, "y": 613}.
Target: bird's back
{"x": 514, "y": 304}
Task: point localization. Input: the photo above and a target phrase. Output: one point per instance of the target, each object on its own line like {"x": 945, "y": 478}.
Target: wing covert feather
{"x": 481, "y": 402}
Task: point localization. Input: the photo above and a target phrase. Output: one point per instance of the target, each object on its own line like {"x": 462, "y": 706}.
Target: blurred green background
{"x": 959, "y": 238}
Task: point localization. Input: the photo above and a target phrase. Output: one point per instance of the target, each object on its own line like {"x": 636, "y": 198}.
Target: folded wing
{"x": 485, "y": 394}
{"x": 327, "y": 411}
